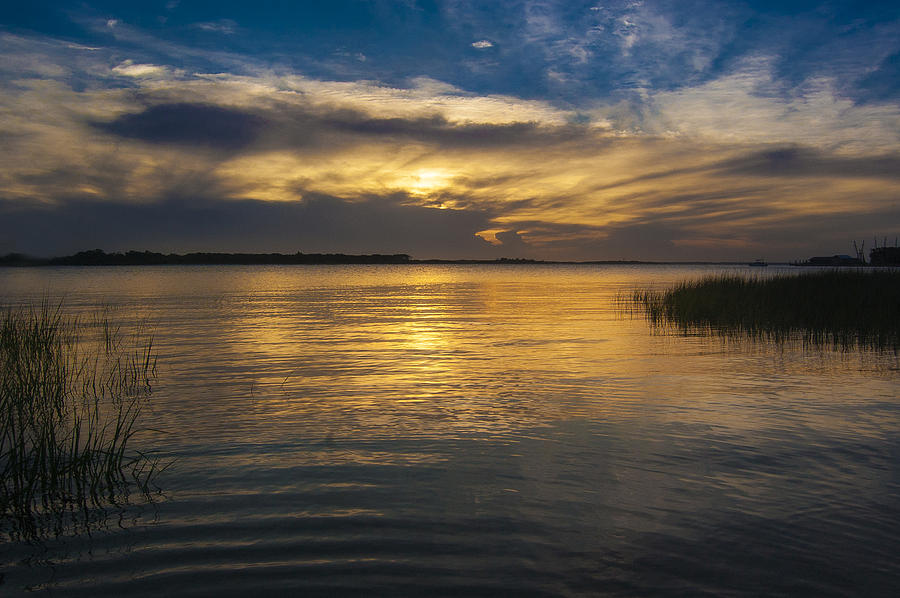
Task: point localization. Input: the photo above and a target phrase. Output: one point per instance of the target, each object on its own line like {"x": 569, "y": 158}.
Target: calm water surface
{"x": 476, "y": 431}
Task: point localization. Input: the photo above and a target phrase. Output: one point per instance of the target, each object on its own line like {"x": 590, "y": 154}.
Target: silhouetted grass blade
{"x": 71, "y": 396}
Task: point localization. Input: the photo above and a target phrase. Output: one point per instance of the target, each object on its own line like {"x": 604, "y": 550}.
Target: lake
{"x": 455, "y": 430}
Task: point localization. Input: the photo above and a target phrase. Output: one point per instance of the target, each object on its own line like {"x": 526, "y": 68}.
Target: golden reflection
{"x": 448, "y": 351}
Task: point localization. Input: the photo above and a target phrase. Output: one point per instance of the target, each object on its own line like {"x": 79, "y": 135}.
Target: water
{"x": 476, "y": 431}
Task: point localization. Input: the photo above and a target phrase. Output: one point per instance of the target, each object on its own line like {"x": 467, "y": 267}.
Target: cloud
{"x": 188, "y": 124}
{"x": 482, "y": 44}
{"x": 747, "y": 106}
{"x": 569, "y": 51}
{"x": 129, "y": 69}
{"x": 439, "y": 131}
{"x": 318, "y": 224}
{"x": 511, "y": 241}
{"x": 423, "y": 96}
{"x": 712, "y": 165}
{"x": 800, "y": 162}
{"x": 883, "y": 83}
{"x": 224, "y": 26}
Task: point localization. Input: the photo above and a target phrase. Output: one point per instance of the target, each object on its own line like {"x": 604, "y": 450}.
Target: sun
{"x": 425, "y": 181}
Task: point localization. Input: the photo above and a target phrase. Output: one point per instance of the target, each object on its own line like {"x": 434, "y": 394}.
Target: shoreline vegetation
{"x": 881, "y": 257}
{"x": 98, "y": 257}
{"x": 71, "y": 396}
{"x": 842, "y": 308}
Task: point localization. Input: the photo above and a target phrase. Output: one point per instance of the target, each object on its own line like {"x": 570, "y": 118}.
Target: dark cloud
{"x": 638, "y": 240}
{"x": 789, "y": 238}
{"x": 513, "y": 244}
{"x": 319, "y": 223}
{"x": 300, "y": 127}
{"x": 188, "y": 124}
{"x": 650, "y": 176}
{"x": 702, "y": 230}
{"x": 438, "y": 130}
{"x": 807, "y": 162}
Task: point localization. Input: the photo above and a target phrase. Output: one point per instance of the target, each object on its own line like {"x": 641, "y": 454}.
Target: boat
{"x": 759, "y": 262}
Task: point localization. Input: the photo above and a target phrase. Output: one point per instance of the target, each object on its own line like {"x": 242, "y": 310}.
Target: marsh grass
{"x": 840, "y": 308}
{"x": 71, "y": 396}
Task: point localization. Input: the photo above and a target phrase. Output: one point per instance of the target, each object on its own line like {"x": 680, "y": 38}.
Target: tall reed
{"x": 843, "y": 308}
{"x": 71, "y": 395}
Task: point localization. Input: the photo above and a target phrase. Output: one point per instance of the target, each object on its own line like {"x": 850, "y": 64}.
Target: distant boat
{"x": 759, "y": 262}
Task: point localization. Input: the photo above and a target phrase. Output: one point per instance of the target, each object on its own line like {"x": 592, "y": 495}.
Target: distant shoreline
{"x": 98, "y": 257}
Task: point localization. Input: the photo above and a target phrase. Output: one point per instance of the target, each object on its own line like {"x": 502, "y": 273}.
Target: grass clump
{"x": 843, "y": 308}
{"x": 71, "y": 394}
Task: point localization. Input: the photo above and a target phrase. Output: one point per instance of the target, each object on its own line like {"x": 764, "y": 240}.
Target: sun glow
{"x": 425, "y": 181}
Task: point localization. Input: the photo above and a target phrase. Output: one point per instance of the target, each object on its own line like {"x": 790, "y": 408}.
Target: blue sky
{"x": 575, "y": 130}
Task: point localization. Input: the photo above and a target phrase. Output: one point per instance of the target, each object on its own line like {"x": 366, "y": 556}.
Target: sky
{"x": 645, "y": 130}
